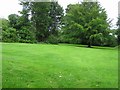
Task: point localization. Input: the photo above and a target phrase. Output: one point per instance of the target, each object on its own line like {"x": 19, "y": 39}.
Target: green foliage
{"x": 25, "y": 35}
{"x": 86, "y": 21}
{"x": 26, "y": 32}
{"x": 0, "y": 29}
{"x": 41, "y": 19}
{"x": 14, "y": 20}
{"x": 23, "y": 25}
{"x": 56, "y": 15}
{"x": 72, "y": 35}
{"x": 52, "y": 39}
{"x": 111, "y": 41}
{"x": 0, "y": 22}
{"x": 118, "y": 30}
{"x": 45, "y": 21}
{"x": 24, "y": 19}
{"x": 18, "y": 22}
{"x": 5, "y": 23}
{"x": 46, "y": 18}
{"x": 9, "y": 35}
{"x": 14, "y": 32}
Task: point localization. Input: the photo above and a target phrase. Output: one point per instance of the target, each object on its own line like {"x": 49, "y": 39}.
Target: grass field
{"x": 59, "y": 66}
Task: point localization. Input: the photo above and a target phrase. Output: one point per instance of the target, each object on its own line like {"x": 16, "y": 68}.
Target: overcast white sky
{"x": 8, "y": 7}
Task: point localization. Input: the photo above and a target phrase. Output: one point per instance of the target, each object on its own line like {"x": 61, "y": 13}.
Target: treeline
{"x": 82, "y": 23}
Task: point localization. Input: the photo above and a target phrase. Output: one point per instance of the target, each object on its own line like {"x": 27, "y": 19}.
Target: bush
{"x": 52, "y": 39}
{"x": 111, "y": 41}
{"x": 25, "y": 35}
{"x": 9, "y": 35}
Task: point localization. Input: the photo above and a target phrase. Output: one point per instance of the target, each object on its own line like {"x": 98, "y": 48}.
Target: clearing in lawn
{"x": 59, "y": 66}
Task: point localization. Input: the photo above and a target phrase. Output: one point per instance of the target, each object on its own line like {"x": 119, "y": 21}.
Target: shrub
{"x": 25, "y": 35}
{"x": 9, "y": 35}
{"x": 53, "y": 39}
{"x": 111, "y": 41}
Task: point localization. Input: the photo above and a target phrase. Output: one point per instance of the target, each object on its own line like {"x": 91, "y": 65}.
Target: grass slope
{"x": 59, "y": 66}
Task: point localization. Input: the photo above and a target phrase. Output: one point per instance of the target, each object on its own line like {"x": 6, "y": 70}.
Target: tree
{"x": 56, "y": 14}
{"x": 72, "y": 29}
{"x": 14, "y": 19}
{"x": 26, "y": 32}
{"x": 118, "y": 30}
{"x": 4, "y": 23}
{"x": 0, "y": 29}
{"x": 45, "y": 18}
{"x": 25, "y": 13}
{"x": 9, "y": 34}
{"x": 86, "y": 22}
{"x": 41, "y": 19}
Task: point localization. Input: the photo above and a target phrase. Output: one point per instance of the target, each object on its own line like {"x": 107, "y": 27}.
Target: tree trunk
{"x": 89, "y": 44}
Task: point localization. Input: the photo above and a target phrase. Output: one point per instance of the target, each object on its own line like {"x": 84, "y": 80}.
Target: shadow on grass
{"x": 92, "y": 47}
{"x": 105, "y": 48}
{"x": 96, "y": 47}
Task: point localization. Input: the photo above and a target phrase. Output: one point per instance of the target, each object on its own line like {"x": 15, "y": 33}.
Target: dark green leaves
{"x": 86, "y": 21}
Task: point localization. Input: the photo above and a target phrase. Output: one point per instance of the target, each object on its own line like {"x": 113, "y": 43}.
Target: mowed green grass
{"x": 58, "y": 66}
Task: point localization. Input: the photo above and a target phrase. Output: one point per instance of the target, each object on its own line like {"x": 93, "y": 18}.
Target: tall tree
{"x": 26, "y": 33}
{"x": 73, "y": 27}
{"x": 97, "y": 25}
{"x": 56, "y": 14}
{"x": 25, "y": 13}
{"x": 45, "y": 18}
{"x": 87, "y": 22}
{"x": 41, "y": 19}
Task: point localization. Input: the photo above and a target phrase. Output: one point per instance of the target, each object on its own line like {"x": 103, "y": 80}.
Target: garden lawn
{"x": 58, "y": 66}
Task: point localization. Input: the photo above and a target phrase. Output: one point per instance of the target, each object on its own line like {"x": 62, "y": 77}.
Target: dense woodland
{"x": 46, "y": 22}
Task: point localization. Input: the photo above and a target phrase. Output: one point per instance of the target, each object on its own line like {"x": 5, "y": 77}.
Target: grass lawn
{"x": 59, "y": 66}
